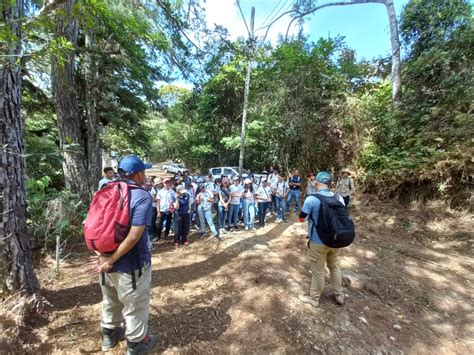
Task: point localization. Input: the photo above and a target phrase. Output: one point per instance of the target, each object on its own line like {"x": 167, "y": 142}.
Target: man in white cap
{"x": 164, "y": 199}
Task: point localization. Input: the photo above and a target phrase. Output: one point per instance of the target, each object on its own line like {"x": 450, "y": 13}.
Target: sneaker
{"x": 201, "y": 235}
{"x": 278, "y": 220}
{"x": 253, "y": 229}
{"x": 309, "y": 300}
{"x": 217, "y": 237}
{"x": 143, "y": 347}
{"x": 186, "y": 243}
{"x": 246, "y": 228}
{"x": 111, "y": 337}
{"x": 339, "y": 299}
{"x": 236, "y": 228}
{"x": 232, "y": 230}
{"x": 156, "y": 238}
{"x": 176, "y": 245}
{"x": 167, "y": 237}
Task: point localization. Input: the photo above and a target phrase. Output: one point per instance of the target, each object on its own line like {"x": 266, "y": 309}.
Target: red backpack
{"x": 108, "y": 220}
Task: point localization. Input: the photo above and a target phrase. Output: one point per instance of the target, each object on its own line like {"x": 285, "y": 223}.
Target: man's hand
{"x": 105, "y": 263}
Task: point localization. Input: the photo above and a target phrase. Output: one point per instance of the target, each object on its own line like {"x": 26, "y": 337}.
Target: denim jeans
{"x": 262, "y": 211}
{"x": 249, "y": 214}
{"x": 222, "y": 217}
{"x": 206, "y": 215}
{"x": 294, "y": 195}
{"x": 281, "y": 207}
{"x": 233, "y": 215}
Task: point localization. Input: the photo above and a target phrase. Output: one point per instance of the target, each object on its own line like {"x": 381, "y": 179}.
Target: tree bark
{"x": 67, "y": 107}
{"x": 394, "y": 38}
{"x": 94, "y": 149}
{"x": 16, "y": 271}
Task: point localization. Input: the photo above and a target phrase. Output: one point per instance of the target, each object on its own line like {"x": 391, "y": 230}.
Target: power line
{"x": 277, "y": 15}
{"x": 243, "y": 17}
{"x": 264, "y": 21}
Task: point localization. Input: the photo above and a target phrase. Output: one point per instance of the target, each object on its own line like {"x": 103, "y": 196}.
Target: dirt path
{"x": 409, "y": 278}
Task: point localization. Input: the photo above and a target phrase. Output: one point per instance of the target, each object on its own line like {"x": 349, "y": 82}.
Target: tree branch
{"x": 338, "y": 3}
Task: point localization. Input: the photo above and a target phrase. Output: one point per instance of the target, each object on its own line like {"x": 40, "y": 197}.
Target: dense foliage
{"x": 312, "y": 105}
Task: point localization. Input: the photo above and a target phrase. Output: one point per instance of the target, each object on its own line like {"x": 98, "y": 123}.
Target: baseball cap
{"x": 132, "y": 164}
{"x": 165, "y": 180}
{"x": 236, "y": 177}
{"x": 180, "y": 188}
{"x": 247, "y": 181}
{"x": 324, "y": 177}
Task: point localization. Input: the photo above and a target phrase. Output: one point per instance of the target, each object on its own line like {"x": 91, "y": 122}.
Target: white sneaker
{"x": 246, "y": 228}
{"x": 253, "y": 229}
{"x": 278, "y": 220}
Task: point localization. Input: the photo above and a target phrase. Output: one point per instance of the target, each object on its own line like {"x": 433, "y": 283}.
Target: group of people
{"x": 163, "y": 205}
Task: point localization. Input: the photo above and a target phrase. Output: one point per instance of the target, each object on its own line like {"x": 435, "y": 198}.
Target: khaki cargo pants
{"x": 319, "y": 255}
{"x": 123, "y": 303}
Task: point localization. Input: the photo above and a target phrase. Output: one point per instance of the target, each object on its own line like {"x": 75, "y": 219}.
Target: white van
{"x": 229, "y": 171}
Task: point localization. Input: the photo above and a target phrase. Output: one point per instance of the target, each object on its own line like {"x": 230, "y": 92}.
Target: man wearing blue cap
{"x": 318, "y": 253}
{"x": 126, "y": 274}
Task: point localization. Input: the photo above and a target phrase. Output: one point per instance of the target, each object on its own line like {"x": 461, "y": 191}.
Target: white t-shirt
{"x": 264, "y": 194}
{"x": 236, "y": 189}
{"x": 154, "y": 193}
{"x": 282, "y": 188}
{"x": 166, "y": 197}
{"x": 204, "y": 197}
{"x": 249, "y": 196}
{"x": 273, "y": 180}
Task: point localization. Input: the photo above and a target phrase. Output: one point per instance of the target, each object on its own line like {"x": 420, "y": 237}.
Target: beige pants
{"x": 121, "y": 302}
{"x": 319, "y": 255}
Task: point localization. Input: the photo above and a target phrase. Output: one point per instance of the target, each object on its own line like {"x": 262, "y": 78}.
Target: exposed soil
{"x": 408, "y": 283}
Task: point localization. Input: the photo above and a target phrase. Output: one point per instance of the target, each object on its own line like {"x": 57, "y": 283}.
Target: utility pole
{"x": 246, "y": 93}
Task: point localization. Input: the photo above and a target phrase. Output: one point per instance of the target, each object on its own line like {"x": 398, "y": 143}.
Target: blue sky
{"x": 364, "y": 26}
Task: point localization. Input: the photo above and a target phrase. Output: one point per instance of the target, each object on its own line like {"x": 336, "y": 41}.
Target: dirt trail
{"x": 408, "y": 283}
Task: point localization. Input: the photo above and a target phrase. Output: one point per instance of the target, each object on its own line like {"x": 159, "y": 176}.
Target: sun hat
{"x": 324, "y": 177}
{"x": 157, "y": 181}
{"x": 132, "y": 164}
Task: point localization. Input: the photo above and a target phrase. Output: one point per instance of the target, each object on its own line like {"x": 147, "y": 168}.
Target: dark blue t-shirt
{"x": 140, "y": 215}
{"x": 297, "y": 180}
{"x": 183, "y": 204}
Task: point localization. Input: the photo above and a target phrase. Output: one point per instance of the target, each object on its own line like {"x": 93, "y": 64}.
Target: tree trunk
{"x": 94, "y": 149}
{"x": 16, "y": 271}
{"x": 394, "y": 38}
{"x": 395, "y": 42}
{"x": 66, "y": 104}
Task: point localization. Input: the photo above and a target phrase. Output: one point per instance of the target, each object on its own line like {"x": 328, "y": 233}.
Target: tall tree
{"x": 308, "y": 7}
{"x": 16, "y": 271}
{"x": 63, "y": 77}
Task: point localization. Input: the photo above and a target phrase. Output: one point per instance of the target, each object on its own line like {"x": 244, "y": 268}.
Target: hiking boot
{"x": 143, "y": 347}
{"x": 339, "y": 299}
{"x": 309, "y": 300}
{"x": 111, "y": 337}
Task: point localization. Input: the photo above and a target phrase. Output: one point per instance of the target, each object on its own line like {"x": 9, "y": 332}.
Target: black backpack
{"x": 335, "y": 227}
